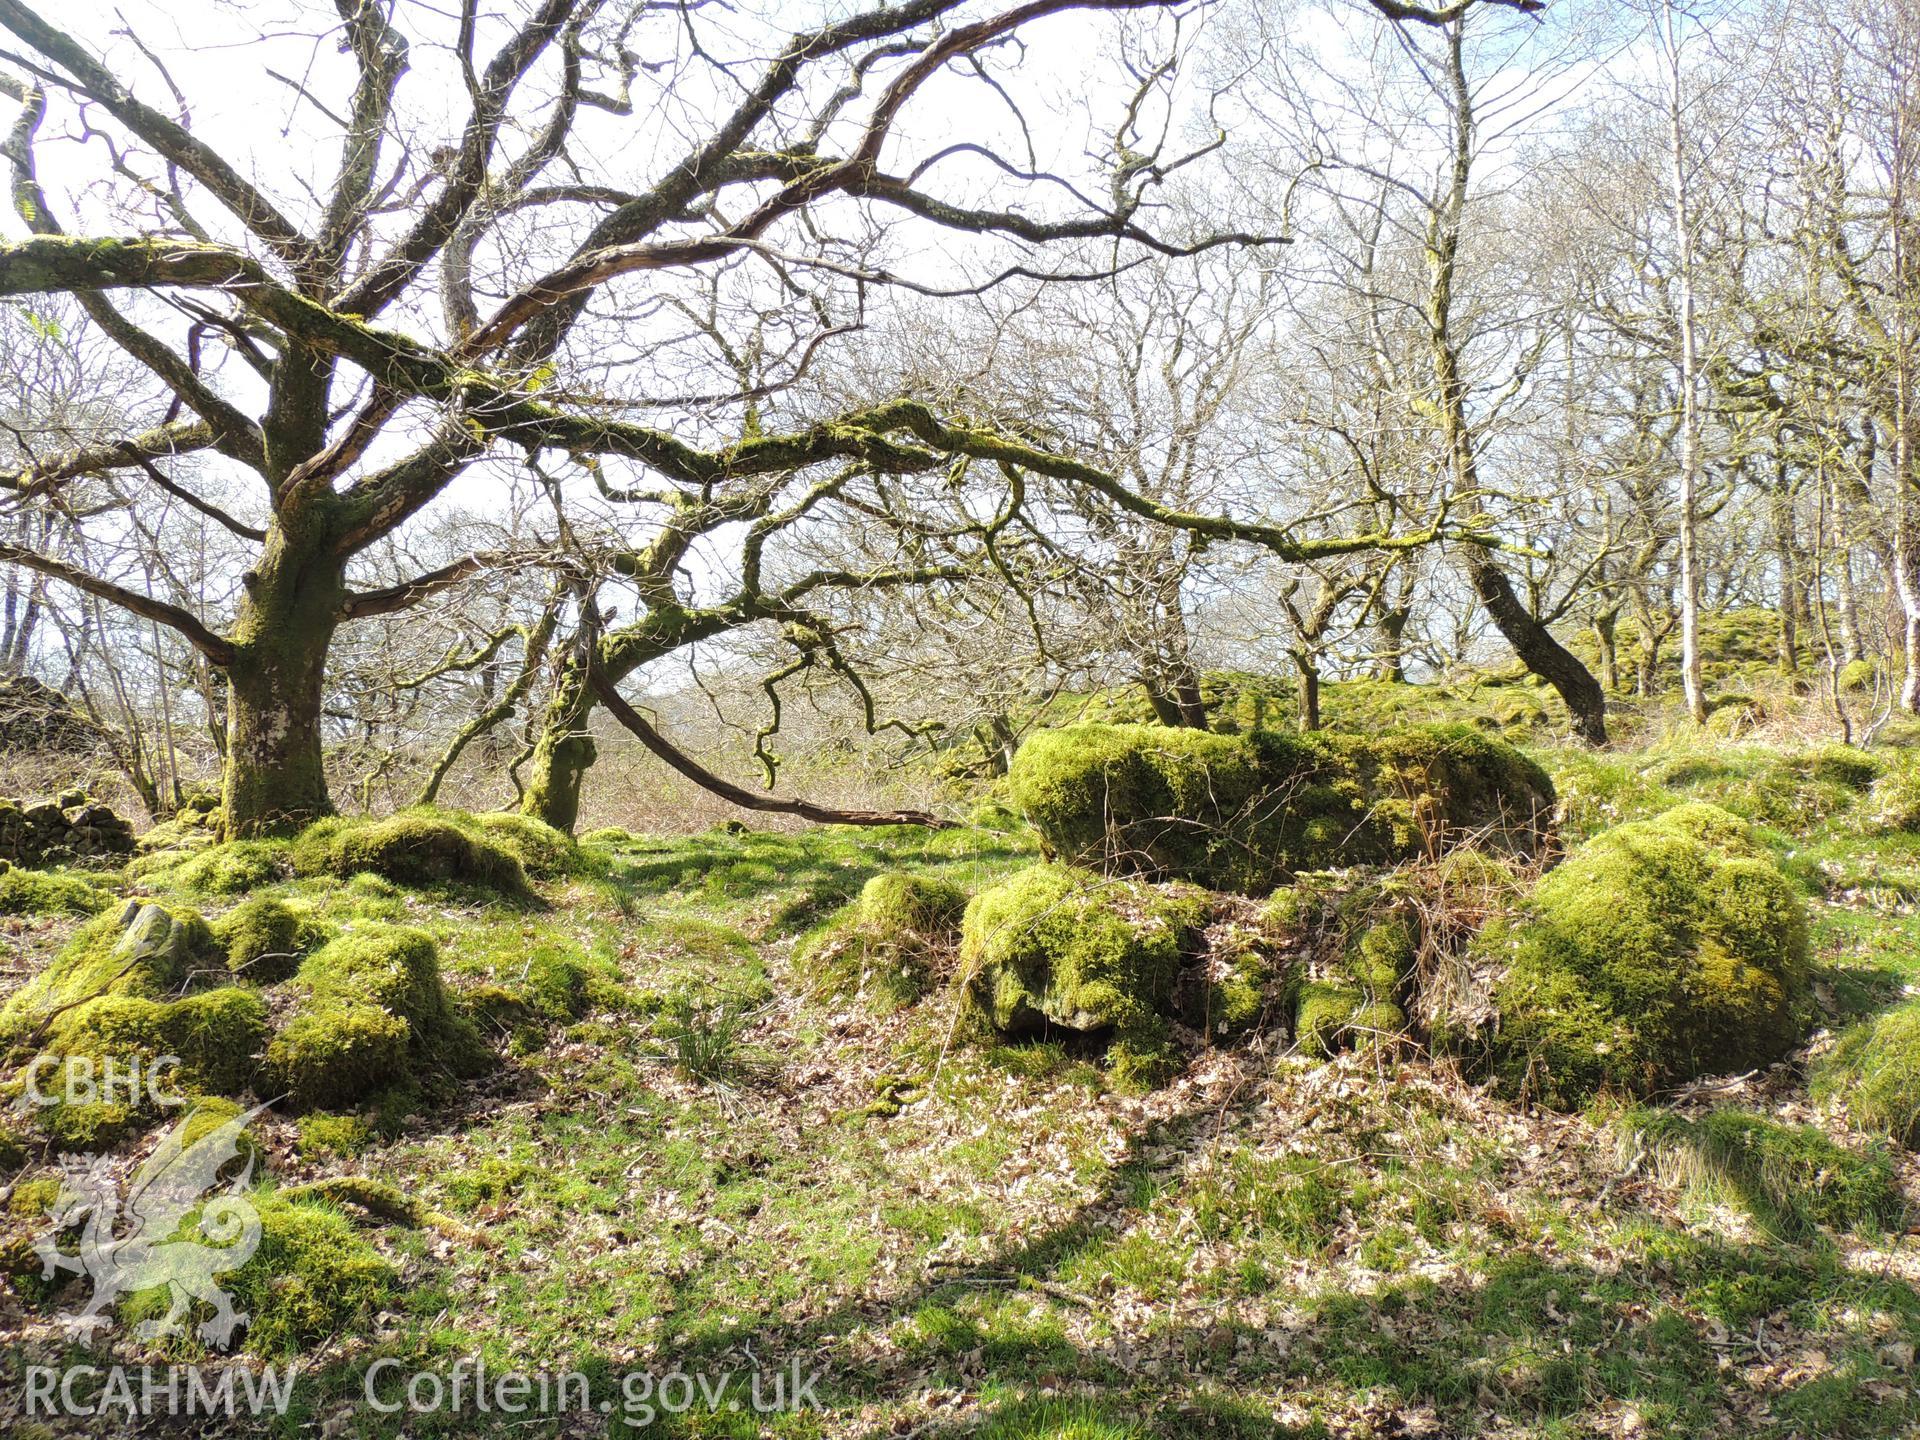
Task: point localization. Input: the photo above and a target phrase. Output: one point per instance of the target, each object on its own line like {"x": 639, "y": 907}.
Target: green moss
{"x": 412, "y": 849}
{"x": 1873, "y": 1070}
{"x": 229, "y": 869}
{"x": 1792, "y": 792}
{"x": 88, "y": 1125}
{"x": 1734, "y": 714}
{"x": 1662, "y": 950}
{"x": 34, "y": 1199}
{"x": 885, "y": 946}
{"x": 497, "y": 1007}
{"x": 1843, "y": 765}
{"x": 395, "y": 969}
{"x": 217, "y": 1036}
{"x": 1239, "y": 988}
{"x": 1893, "y": 805}
{"x": 1242, "y": 812}
{"x": 337, "y": 1056}
{"x": 323, "y": 1134}
{"x": 311, "y": 1279}
{"x": 1356, "y": 1001}
{"x": 265, "y": 938}
{"x": 542, "y": 850}
{"x": 1858, "y": 675}
{"x": 1057, "y": 948}
{"x": 40, "y": 892}
{"x": 374, "y": 1013}
{"x": 208, "y": 1114}
{"x": 1326, "y": 1010}
{"x": 142, "y": 950}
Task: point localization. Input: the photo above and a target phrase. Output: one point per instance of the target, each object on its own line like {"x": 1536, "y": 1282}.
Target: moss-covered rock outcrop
{"x": 887, "y": 944}
{"x": 143, "y": 949}
{"x": 1660, "y": 951}
{"x": 373, "y": 1013}
{"x": 1245, "y": 812}
{"x": 415, "y": 848}
{"x": 1054, "y": 948}
{"x": 264, "y": 939}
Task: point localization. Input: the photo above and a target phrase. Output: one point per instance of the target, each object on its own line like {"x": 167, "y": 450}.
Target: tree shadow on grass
{"x": 821, "y": 868}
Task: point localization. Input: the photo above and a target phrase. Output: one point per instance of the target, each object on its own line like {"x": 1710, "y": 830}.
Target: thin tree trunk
{"x": 1607, "y": 649}
{"x": 1532, "y": 642}
{"x": 1691, "y": 669}
{"x": 1309, "y": 690}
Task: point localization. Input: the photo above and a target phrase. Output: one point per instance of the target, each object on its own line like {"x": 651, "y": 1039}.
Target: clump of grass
{"x": 1874, "y": 1070}
{"x": 704, "y": 1029}
{"x": 1793, "y": 1179}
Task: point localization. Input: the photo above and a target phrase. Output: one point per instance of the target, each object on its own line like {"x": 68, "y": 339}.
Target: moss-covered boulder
{"x": 1055, "y": 948}
{"x": 373, "y": 1012}
{"x": 887, "y": 945}
{"x": 143, "y": 949}
{"x": 265, "y": 939}
{"x": 542, "y": 850}
{"x": 1245, "y": 812}
{"x": 216, "y": 1035}
{"x": 1873, "y": 1070}
{"x": 1660, "y": 951}
{"x": 1893, "y": 804}
{"x": 413, "y": 848}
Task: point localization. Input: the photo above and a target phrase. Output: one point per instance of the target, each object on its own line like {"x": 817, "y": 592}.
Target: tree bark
{"x": 1393, "y": 628}
{"x": 564, "y": 751}
{"x": 275, "y": 775}
{"x": 1604, "y": 624}
{"x": 1542, "y": 654}
{"x": 1309, "y": 690}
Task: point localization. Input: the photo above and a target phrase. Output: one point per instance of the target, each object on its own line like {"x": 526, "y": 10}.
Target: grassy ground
{"x": 733, "y": 1172}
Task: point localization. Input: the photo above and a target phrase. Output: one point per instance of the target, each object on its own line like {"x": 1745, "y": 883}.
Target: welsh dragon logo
{"x": 172, "y": 1230}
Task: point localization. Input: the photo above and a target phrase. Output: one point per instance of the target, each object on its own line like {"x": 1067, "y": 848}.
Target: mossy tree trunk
{"x": 563, "y": 752}
{"x": 1604, "y": 625}
{"x": 1392, "y": 624}
{"x": 1309, "y": 690}
{"x": 275, "y": 774}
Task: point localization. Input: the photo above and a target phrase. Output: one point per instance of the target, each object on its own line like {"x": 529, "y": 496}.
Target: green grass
{"x": 982, "y": 1240}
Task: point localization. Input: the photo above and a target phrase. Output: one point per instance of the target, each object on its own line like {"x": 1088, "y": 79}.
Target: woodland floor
{"x": 990, "y": 1241}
